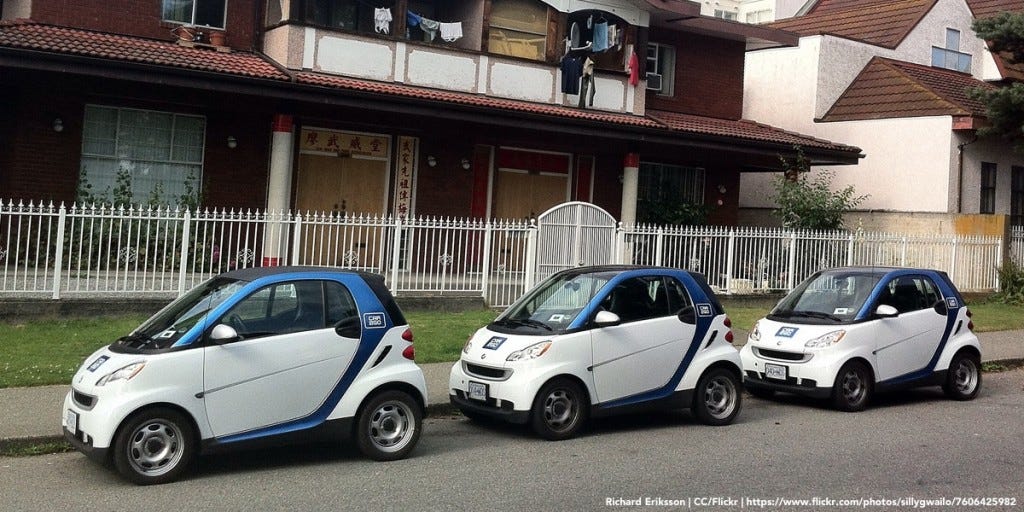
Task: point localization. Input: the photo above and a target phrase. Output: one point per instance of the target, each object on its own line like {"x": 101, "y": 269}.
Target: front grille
{"x": 487, "y": 372}
{"x": 782, "y": 356}
{"x": 83, "y": 400}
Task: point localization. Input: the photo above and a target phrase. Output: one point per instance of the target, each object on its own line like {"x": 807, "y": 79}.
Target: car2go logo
{"x": 494, "y": 343}
{"x": 374, "y": 320}
{"x": 704, "y": 310}
{"x": 786, "y": 332}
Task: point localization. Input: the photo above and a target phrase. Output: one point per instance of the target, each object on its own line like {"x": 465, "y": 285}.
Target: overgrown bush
{"x": 1011, "y": 284}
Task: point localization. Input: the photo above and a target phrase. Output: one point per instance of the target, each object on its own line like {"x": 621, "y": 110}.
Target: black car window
{"x": 279, "y": 309}
{"x": 906, "y": 294}
{"x": 677, "y": 296}
{"x": 341, "y": 307}
{"x": 634, "y": 299}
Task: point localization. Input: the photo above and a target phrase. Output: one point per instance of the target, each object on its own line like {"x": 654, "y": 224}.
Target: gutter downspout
{"x": 960, "y": 172}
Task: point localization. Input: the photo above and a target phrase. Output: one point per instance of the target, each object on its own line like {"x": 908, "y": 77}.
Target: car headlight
{"x": 826, "y": 340}
{"x": 755, "y": 333}
{"x": 125, "y": 373}
{"x": 469, "y": 345}
{"x": 531, "y": 352}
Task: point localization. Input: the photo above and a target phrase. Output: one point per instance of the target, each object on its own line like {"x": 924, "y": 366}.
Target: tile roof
{"x": 30, "y": 35}
{"x": 742, "y": 129}
{"x": 881, "y": 23}
{"x": 986, "y": 8}
{"x": 888, "y": 88}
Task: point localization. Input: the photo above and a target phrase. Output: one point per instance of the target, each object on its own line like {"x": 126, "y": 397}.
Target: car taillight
{"x": 970, "y": 323}
{"x": 728, "y": 323}
{"x": 410, "y": 351}
{"x": 728, "y": 336}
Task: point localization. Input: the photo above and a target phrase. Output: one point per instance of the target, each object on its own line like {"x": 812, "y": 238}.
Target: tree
{"x": 1005, "y": 105}
{"x": 808, "y": 202}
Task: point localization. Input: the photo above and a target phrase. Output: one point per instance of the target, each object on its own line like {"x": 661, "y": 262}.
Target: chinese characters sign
{"x": 343, "y": 143}
{"x": 405, "y": 176}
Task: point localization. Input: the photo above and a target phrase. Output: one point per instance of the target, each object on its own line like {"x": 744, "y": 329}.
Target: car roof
{"x": 254, "y": 273}
{"x": 881, "y": 271}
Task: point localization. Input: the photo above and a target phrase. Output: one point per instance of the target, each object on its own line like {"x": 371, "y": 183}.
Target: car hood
{"x": 490, "y": 348}
{"x": 789, "y": 336}
{"x": 101, "y": 363}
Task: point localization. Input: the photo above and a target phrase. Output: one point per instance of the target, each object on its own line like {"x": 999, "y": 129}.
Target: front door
{"x": 288, "y": 360}
{"x": 341, "y": 184}
{"x": 907, "y": 342}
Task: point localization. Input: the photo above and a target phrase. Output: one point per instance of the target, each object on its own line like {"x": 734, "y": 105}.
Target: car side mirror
{"x": 941, "y": 308}
{"x": 348, "y": 327}
{"x": 606, "y": 319}
{"x": 224, "y": 333}
{"x": 688, "y": 316}
{"x": 886, "y": 311}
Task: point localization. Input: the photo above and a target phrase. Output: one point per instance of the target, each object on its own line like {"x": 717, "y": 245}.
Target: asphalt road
{"x": 914, "y": 444}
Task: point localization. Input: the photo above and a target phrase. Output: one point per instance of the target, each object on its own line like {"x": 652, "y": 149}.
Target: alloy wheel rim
{"x": 391, "y": 426}
{"x": 560, "y": 410}
{"x": 965, "y": 378}
{"x": 853, "y": 386}
{"x": 156, "y": 447}
{"x": 720, "y": 397}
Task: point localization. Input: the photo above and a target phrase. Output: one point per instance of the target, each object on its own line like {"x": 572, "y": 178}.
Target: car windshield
{"x": 553, "y": 305}
{"x": 827, "y": 297}
{"x": 166, "y": 327}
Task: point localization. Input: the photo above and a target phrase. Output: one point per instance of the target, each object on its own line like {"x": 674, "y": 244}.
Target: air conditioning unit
{"x": 653, "y": 82}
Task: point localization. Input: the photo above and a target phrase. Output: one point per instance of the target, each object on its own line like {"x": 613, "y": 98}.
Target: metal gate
{"x": 573, "y": 235}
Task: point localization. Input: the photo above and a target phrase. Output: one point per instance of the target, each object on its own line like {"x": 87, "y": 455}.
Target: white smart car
{"x": 252, "y": 357}
{"x": 596, "y": 341}
{"x": 848, "y": 332}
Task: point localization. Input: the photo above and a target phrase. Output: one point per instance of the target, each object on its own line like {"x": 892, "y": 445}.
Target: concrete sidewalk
{"x": 35, "y": 413}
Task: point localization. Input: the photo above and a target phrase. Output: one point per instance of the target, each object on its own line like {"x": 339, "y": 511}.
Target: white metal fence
{"x": 57, "y": 251}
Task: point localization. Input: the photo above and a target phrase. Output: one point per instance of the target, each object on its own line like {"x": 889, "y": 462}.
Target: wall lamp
{"x": 465, "y": 164}
{"x": 58, "y": 125}
{"x": 431, "y": 161}
{"x": 232, "y": 142}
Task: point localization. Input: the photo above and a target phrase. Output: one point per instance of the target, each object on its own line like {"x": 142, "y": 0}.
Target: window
{"x": 279, "y": 309}
{"x": 342, "y": 312}
{"x": 1017, "y": 196}
{"x": 988, "y": 188}
{"x": 662, "y": 185}
{"x": 725, "y": 15}
{"x": 661, "y": 66}
{"x": 950, "y": 56}
{"x": 143, "y": 154}
{"x": 209, "y": 13}
{"x": 909, "y": 294}
{"x": 762, "y": 16}
{"x": 634, "y": 299}
{"x": 352, "y": 15}
{"x": 518, "y": 28}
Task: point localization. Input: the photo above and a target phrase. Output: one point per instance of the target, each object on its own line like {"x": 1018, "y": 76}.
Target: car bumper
{"x": 508, "y": 398}
{"x": 812, "y": 378}
{"x": 100, "y": 455}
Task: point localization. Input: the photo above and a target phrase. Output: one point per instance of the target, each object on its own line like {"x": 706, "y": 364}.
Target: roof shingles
{"x": 883, "y": 24}
{"x": 888, "y": 88}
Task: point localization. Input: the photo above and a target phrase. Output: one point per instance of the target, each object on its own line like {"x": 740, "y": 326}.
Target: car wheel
{"x": 389, "y": 426}
{"x": 761, "y": 392}
{"x": 154, "y": 447}
{"x": 963, "y": 380}
{"x": 559, "y": 410}
{"x": 852, "y": 389}
{"x": 717, "y": 399}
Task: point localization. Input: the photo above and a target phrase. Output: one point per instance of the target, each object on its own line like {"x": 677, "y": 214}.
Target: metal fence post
{"x": 791, "y": 274}
{"x": 849, "y": 251}
{"x": 730, "y": 260}
{"x": 486, "y": 270}
{"x": 396, "y": 256}
{"x": 999, "y": 262}
{"x": 952, "y": 263}
{"x": 620, "y": 244}
{"x": 58, "y": 263}
{"x": 297, "y": 238}
{"x": 185, "y": 236}
{"x": 903, "y": 251}
{"x": 531, "y": 255}
{"x": 659, "y": 242}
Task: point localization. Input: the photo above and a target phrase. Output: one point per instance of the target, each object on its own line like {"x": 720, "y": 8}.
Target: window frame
{"x": 543, "y": 33}
{"x": 1016, "y": 195}
{"x": 987, "y": 188}
{"x": 658, "y": 65}
{"x": 192, "y": 17}
{"x": 947, "y": 51}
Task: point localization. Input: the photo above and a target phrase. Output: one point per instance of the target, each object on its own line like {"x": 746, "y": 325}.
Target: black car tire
{"x": 852, "y": 389}
{"x": 559, "y": 410}
{"x": 718, "y": 397}
{"x": 389, "y": 426}
{"x": 154, "y": 446}
{"x": 963, "y": 380}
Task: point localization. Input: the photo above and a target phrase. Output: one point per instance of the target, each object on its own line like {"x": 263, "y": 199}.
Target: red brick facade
{"x": 708, "y": 76}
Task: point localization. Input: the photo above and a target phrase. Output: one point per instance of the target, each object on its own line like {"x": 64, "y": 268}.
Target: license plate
{"x": 477, "y": 390}
{"x": 71, "y": 421}
{"x": 775, "y": 371}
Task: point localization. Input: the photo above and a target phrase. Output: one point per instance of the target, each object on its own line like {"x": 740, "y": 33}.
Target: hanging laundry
{"x": 600, "y": 36}
{"x": 574, "y": 35}
{"x": 451, "y": 31}
{"x": 429, "y": 28}
{"x": 572, "y": 69}
{"x": 634, "y": 69}
{"x": 412, "y": 19}
{"x": 382, "y": 20}
{"x": 587, "y": 87}
{"x": 613, "y": 36}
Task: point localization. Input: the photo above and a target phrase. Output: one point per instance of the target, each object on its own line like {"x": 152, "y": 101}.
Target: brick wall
{"x": 708, "y": 76}
{"x": 39, "y": 163}
{"x": 140, "y": 18}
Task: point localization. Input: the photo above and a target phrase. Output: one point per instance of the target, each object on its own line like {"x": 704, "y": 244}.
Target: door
{"x": 906, "y": 343}
{"x": 341, "y": 184}
{"x": 288, "y": 361}
{"x": 645, "y": 350}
